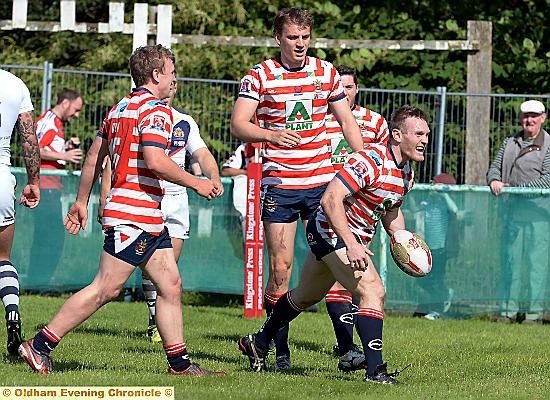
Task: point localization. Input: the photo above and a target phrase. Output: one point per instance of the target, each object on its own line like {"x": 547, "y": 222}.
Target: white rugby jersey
{"x": 295, "y": 99}
{"x": 185, "y": 138}
{"x": 377, "y": 184}
{"x": 373, "y": 126}
{"x": 14, "y": 100}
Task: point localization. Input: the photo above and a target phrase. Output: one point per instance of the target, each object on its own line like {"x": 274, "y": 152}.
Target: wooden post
{"x": 19, "y": 14}
{"x": 68, "y": 15}
{"x": 164, "y": 25}
{"x": 141, "y": 12}
{"x": 478, "y": 108}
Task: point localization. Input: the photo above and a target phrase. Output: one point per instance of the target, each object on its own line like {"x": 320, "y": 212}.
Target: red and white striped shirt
{"x": 377, "y": 184}
{"x": 297, "y": 100}
{"x": 49, "y": 131}
{"x": 138, "y": 120}
{"x": 373, "y": 126}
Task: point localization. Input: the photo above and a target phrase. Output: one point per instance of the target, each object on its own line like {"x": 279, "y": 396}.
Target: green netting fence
{"x": 482, "y": 235}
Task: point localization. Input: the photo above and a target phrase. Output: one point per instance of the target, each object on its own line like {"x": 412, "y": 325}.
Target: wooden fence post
{"x": 478, "y": 108}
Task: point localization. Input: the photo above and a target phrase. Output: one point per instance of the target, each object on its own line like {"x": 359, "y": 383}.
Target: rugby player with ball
{"x": 369, "y": 188}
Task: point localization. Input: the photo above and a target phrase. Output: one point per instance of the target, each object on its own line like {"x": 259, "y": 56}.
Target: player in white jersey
{"x": 289, "y": 97}
{"x": 369, "y": 188}
{"x": 16, "y": 111}
{"x": 374, "y": 129}
{"x": 185, "y": 139}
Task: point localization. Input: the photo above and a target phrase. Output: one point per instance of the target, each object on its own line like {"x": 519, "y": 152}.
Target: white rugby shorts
{"x": 175, "y": 210}
{"x": 7, "y": 198}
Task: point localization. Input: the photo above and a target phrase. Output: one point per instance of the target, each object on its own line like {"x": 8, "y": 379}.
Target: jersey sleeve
{"x": 195, "y": 141}
{"x": 360, "y": 170}
{"x": 337, "y": 91}
{"x": 26, "y": 102}
{"x": 155, "y": 125}
{"x": 251, "y": 86}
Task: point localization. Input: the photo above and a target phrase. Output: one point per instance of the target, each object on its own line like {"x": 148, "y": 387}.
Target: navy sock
{"x": 177, "y": 356}
{"x": 281, "y": 336}
{"x": 283, "y": 312}
{"x": 45, "y": 341}
{"x": 339, "y": 309}
{"x": 369, "y": 324}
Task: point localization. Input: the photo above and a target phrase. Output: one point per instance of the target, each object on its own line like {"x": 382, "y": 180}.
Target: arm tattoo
{"x": 29, "y": 145}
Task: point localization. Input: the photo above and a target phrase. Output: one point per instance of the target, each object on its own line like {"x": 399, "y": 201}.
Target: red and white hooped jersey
{"x": 138, "y": 120}
{"x": 373, "y": 126}
{"x": 295, "y": 99}
{"x": 49, "y": 131}
{"x": 376, "y": 185}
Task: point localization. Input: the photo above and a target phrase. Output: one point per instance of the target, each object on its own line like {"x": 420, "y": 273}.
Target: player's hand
{"x": 496, "y": 187}
{"x": 285, "y": 138}
{"x": 100, "y": 208}
{"x": 76, "y": 218}
{"x": 74, "y": 156}
{"x": 218, "y": 187}
{"x": 30, "y": 197}
{"x": 205, "y": 188}
{"x": 358, "y": 256}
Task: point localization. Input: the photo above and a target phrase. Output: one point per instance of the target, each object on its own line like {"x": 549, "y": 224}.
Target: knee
{"x": 372, "y": 292}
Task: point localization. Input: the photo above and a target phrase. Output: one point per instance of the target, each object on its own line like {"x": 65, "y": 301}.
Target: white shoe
{"x": 432, "y": 316}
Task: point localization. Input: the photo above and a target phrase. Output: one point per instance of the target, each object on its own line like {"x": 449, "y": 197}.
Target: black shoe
{"x": 257, "y": 356}
{"x": 381, "y": 375}
{"x": 353, "y": 360}
{"x": 282, "y": 363}
{"x": 14, "y": 336}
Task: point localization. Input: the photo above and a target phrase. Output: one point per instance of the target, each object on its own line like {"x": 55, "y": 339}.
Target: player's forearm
{"x": 249, "y": 132}
{"x": 393, "y": 221}
{"x": 51, "y": 155}
{"x": 208, "y": 164}
{"x": 165, "y": 168}
{"x": 335, "y": 212}
{"x": 352, "y": 134}
{"x": 91, "y": 169}
{"x": 228, "y": 171}
{"x": 29, "y": 146}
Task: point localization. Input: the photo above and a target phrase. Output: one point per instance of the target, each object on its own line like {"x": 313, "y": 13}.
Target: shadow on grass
{"x": 98, "y": 330}
{"x": 223, "y": 338}
{"x": 204, "y": 356}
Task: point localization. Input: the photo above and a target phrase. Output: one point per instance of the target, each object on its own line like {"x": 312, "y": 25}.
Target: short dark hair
{"x": 345, "y": 70}
{"x": 398, "y": 117}
{"x": 295, "y": 16}
{"x": 68, "y": 94}
{"x": 147, "y": 58}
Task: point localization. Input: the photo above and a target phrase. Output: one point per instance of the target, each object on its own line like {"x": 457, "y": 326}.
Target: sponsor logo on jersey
{"x": 375, "y": 157}
{"x": 359, "y": 169}
{"x": 340, "y": 151}
{"x": 158, "y": 121}
{"x": 298, "y": 114}
{"x": 245, "y": 86}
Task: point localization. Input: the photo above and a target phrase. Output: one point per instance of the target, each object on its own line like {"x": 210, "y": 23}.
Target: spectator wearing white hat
{"x": 524, "y": 160}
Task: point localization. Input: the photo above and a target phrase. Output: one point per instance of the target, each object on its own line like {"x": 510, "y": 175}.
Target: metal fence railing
{"x": 210, "y": 102}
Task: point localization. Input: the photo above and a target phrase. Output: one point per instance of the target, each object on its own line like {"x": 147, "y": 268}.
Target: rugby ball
{"x": 410, "y": 253}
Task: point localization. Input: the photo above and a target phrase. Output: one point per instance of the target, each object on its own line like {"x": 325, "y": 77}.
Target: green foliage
{"x": 521, "y": 60}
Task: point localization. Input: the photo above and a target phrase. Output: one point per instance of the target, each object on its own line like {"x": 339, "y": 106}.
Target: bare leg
{"x": 106, "y": 286}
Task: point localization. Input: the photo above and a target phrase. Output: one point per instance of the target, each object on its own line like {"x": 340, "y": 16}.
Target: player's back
{"x": 138, "y": 120}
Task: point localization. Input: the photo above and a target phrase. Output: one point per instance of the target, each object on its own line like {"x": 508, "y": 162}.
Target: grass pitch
{"x": 451, "y": 359}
